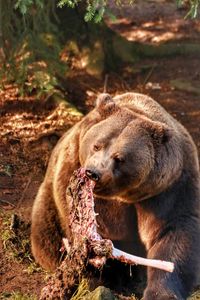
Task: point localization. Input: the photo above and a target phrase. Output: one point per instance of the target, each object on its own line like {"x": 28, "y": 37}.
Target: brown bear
{"x": 147, "y": 190}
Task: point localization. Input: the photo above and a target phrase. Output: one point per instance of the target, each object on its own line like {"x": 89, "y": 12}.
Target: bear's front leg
{"x": 178, "y": 245}
{"x": 161, "y": 295}
{"x": 163, "y": 286}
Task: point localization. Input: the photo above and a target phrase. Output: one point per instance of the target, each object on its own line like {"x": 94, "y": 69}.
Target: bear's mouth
{"x": 103, "y": 190}
{"x": 99, "y": 189}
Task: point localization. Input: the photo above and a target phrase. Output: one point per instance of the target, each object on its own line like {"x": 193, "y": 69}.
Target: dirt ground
{"x": 30, "y": 127}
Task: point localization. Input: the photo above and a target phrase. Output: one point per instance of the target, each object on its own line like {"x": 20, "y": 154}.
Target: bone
{"x": 132, "y": 259}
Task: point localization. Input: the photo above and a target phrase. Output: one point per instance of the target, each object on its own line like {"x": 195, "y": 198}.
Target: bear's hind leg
{"x": 46, "y": 237}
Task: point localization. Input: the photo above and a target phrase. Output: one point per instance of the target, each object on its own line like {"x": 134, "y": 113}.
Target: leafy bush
{"x": 30, "y": 45}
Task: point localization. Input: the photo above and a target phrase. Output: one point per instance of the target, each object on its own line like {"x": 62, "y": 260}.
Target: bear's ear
{"x": 159, "y": 132}
{"x": 105, "y": 104}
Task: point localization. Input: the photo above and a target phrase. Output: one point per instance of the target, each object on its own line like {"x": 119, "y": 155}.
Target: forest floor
{"x": 30, "y": 127}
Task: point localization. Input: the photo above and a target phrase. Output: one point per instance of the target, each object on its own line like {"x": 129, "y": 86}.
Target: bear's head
{"x": 124, "y": 152}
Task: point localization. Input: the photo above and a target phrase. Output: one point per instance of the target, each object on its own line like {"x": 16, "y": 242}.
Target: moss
{"x": 15, "y": 236}
{"x": 195, "y": 296}
{"x": 82, "y": 290}
{"x": 17, "y": 296}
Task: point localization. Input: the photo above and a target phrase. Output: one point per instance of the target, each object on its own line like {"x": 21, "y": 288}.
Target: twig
{"x": 24, "y": 191}
{"x": 105, "y": 87}
{"x": 149, "y": 74}
{"x": 6, "y": 205}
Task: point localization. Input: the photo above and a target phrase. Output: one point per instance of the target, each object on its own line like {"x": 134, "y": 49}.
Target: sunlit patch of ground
{"x": 18, "y": 120}
{"x": 154, "y": 23}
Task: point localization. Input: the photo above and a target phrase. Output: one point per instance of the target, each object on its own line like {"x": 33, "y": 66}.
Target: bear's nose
{"x": 93, "y": 175}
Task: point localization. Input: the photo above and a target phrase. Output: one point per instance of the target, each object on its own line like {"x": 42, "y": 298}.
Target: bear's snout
{"x": 92, "y": 174}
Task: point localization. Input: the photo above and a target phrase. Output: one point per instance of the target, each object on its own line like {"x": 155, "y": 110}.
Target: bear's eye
{"x": 96, "y": 147}
{"x": 118, "y": 159}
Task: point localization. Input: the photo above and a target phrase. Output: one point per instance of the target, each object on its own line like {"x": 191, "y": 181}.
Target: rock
{"x": 100, "y": 293}
{"x": 184, "y": 85}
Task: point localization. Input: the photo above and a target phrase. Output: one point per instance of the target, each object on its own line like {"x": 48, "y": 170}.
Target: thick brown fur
{"x": 148, "y": 189}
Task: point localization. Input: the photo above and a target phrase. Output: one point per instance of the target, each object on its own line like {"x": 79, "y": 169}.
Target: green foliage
{"x": 70, "y": 3}
{"x": 193, "y": 12}
{"x": 31, "y": 45}
{"x": 16, "y": 242}
{"x": 25, "y": 5}
{"x": 95, "y": 10}
{"x": 17, "y": 296}
{"x": 82, "y": 290}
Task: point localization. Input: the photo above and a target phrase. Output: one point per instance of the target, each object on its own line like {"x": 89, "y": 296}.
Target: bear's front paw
{"x": 160, "y": 294}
